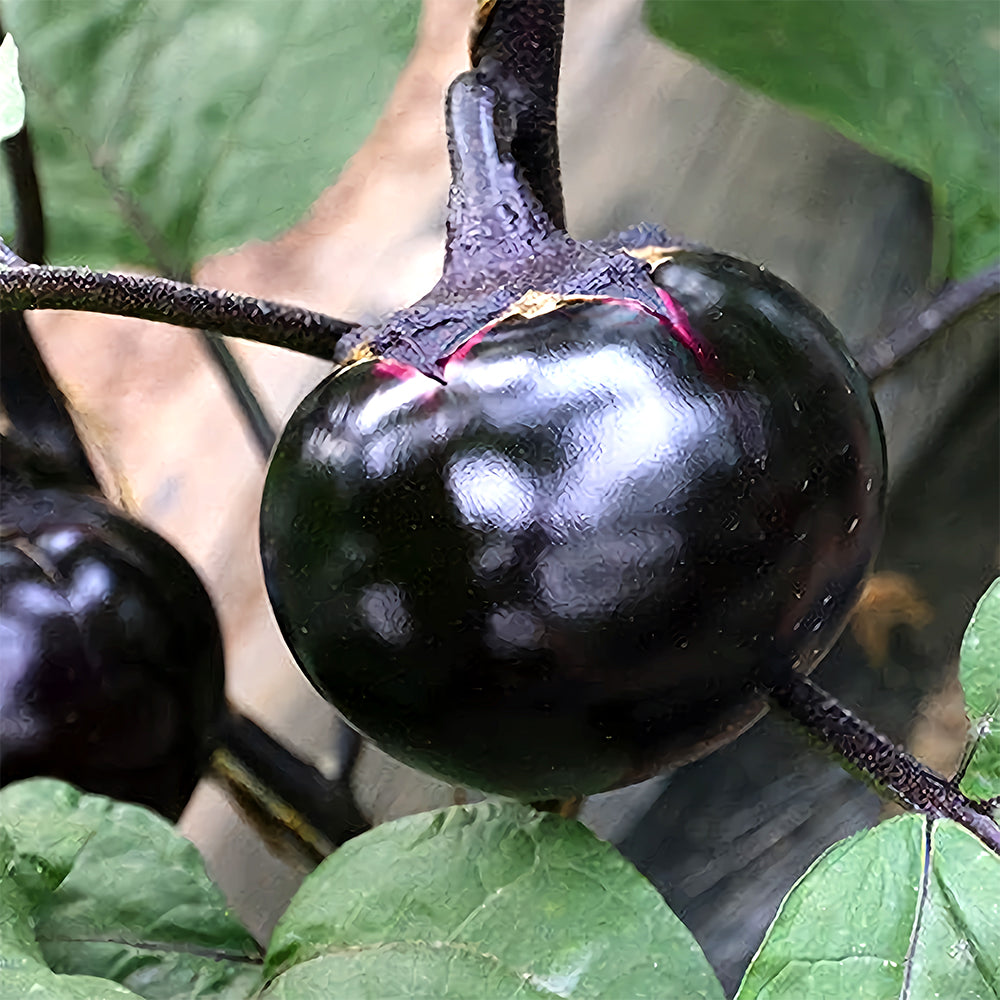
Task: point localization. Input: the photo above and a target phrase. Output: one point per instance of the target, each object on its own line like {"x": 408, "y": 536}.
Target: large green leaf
{"x": 910, "y": 909}
{"x": 170, "y": 129}
{"x": 913, "y": 80}
{"x": 115, "y": 892}
{"x": 491, "y": 900}
{"x": 979, "y": 672}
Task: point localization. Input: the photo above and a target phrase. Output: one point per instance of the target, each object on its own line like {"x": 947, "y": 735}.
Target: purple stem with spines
{"x": 865, "y": 749}
{"x": 172, "y": 302}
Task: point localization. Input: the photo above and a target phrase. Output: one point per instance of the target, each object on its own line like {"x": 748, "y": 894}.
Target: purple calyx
{"x": 501, "y": 247}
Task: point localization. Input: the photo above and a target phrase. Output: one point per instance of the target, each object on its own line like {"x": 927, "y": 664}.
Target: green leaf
{"x": 487, "y": 900}
{"x": 979, "y": 672}
{"x": 404, "y": 971}
{"x": 166, "y": 130}
{"x": 11, "y": 95}
{"x": 911, "y": 80}
{"x": 18, "y": 947}
{"x": 909, "y": 909}
{"x": 42, "y": 984}
{"x": 23, "y": 972}
{"x": 115, "y": 892}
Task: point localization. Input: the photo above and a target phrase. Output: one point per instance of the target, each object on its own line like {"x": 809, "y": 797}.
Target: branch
{"x": 41, "y": 442}
{"x": 30, "y": 233}
{"x": 515, "y": 50}
{"x": 284, "y": 792}
{"x": 871, "y": 753}
{"x": 246, "y": 400}
{"x": 943, "y": 311}
{"x": 173, "y": 302}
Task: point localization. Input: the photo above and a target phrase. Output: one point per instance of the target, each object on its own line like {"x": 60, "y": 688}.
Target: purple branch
{"x": 173, "y": 302}
{"x": 871, "y": 753}
{"x": 943, "y": 311}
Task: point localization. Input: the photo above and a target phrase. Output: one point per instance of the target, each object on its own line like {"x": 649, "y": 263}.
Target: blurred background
{"x": 647, "y": 135}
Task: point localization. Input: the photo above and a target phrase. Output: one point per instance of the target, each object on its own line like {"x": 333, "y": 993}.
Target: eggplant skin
{"x": 558, "y": 571}
{"x": 111, "y": 661}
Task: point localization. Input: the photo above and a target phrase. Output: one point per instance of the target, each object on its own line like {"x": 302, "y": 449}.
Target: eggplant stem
{"x": 515, "y": 49}
{"x": 493, "y": 218}
{"x": 867, "y": 751}
{"x": 282, "y": 793}
{"x": 918, "y": 328}
{"x": 164, "y": 301}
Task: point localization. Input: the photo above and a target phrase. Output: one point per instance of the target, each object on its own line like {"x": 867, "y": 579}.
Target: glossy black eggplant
{"x": 111, "y": 663}
{"x": 559, "y": 568}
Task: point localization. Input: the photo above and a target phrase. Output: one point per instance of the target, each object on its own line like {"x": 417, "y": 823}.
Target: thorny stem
{"x": 172, "y": 302}
{"x": 944, "y": 310}
{"x": 875, "y": 756}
